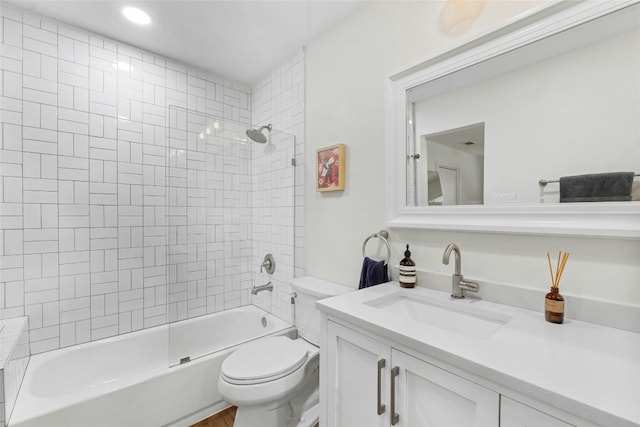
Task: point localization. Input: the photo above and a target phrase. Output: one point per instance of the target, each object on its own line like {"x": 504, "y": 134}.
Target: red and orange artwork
{"x": 330, "y": 168}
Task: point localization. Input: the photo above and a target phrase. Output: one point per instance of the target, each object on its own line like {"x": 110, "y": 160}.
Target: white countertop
{"x": 586, "y": 369}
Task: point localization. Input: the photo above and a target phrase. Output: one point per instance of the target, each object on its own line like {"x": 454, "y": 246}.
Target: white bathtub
{"x": 126, "y": 380}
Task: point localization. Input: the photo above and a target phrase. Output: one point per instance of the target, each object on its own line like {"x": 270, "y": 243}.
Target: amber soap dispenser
{"x": 553, "y": 301}
{"x": 407, "y": 270}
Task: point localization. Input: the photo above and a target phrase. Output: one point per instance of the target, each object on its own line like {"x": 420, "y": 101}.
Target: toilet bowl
{"x": 274, "y": 381}
{"x": 262, "y": 378}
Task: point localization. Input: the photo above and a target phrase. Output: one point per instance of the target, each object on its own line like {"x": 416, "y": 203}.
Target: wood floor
{"x": 221, "y": 419}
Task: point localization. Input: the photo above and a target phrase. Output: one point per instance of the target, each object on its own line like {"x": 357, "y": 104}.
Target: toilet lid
{"x": 264, "y": 360}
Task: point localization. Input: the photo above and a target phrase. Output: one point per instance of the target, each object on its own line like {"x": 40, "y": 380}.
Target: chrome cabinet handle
{"x": 395, "y": 417}
{"x": 381, "y": 407}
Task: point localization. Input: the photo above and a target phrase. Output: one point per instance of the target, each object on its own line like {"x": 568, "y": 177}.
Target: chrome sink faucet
{"x": 458, "y": 284}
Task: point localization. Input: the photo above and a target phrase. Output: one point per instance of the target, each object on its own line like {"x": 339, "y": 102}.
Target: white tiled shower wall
{"x": 209, "y": 214}
{"x": 278, "y": 186}
{"x": 83, "y": 186}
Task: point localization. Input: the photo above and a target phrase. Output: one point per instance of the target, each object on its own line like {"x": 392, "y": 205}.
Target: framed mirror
{"x": 478, "y": 138}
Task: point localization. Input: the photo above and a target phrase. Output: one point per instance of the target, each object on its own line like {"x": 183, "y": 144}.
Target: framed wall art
{"x": 330, "y": 166}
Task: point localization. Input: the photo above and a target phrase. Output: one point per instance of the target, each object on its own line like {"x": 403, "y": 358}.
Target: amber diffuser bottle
{"x": 553, "y": 301}
{"x": 554, "y": 306}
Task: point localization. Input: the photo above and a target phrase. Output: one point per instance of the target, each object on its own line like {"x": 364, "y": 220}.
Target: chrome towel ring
{"x": 384, "y": 235}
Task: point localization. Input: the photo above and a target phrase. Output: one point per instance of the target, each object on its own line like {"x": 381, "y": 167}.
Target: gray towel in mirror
{"x": 598, "y": 187}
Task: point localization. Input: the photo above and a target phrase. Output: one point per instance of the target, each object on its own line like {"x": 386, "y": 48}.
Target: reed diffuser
{"x": 554, "y": 302}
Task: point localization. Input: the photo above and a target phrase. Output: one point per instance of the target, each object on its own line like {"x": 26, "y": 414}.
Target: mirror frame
{"x": 610, "y": 220}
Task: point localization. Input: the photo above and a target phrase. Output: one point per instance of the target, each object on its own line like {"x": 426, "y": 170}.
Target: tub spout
{"x": 256, "y": 289}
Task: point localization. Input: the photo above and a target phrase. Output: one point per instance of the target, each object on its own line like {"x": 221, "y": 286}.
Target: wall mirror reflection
{"x": 565, "y": 105}
{"x": 451, "y": 172}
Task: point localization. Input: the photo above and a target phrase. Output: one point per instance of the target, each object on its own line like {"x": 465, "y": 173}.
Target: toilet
{"x": 274, "y": 381}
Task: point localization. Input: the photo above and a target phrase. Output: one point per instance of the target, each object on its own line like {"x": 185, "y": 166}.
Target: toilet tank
{"x": 307, "y": 317}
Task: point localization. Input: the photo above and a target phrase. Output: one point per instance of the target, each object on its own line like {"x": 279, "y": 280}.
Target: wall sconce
{"x": 457, "y": 16}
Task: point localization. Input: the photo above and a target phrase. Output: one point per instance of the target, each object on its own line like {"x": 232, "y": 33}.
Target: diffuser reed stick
{"x": 562, "y": 262}
{"x": 565, "y": 257}
{"x": 550, "y": 268}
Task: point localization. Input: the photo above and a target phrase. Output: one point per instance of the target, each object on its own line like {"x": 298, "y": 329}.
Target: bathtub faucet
{"x": 256, "y": 289}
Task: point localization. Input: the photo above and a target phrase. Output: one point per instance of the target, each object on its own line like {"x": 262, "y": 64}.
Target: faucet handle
{"x": 469, "y": 286}
{"x": 269, "y": 264}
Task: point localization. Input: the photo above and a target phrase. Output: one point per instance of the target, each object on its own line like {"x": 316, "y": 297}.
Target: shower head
{"x": 257, "y": 135}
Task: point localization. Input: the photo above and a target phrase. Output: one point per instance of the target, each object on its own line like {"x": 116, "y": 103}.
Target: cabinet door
{"x": 353, "y": 379}
{"x": 516, "y": 414}
{"x": 430, "y": 396}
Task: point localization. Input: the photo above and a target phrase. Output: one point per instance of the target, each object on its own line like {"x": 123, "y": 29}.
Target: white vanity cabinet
{"x": 516, "y": 414}
{"x": 353, "y": 363}
{"x": 370, "y": 383}
{"x": 375, "y": 363}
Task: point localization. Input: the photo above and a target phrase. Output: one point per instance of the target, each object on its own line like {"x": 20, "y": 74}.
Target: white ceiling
{"x": 240, "y": 40}
{"x": 459, "y": 138}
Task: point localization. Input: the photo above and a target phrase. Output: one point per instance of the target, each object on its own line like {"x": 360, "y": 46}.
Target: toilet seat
{"x": 264, "y": 360}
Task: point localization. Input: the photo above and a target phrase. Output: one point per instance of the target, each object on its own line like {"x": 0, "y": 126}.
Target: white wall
{"x": 346, "y": 70}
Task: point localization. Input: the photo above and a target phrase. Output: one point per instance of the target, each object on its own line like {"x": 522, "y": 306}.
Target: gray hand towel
{"x": 598, "y": 187}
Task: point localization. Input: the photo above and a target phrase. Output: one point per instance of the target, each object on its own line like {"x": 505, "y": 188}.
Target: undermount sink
{"x": 456, "y": 316}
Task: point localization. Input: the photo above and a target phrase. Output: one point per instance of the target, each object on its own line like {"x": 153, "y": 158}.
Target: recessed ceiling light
{"x": 135, "y": 15}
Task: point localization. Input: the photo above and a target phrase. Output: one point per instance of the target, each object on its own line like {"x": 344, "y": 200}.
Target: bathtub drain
{"x": 264, "y": 321}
